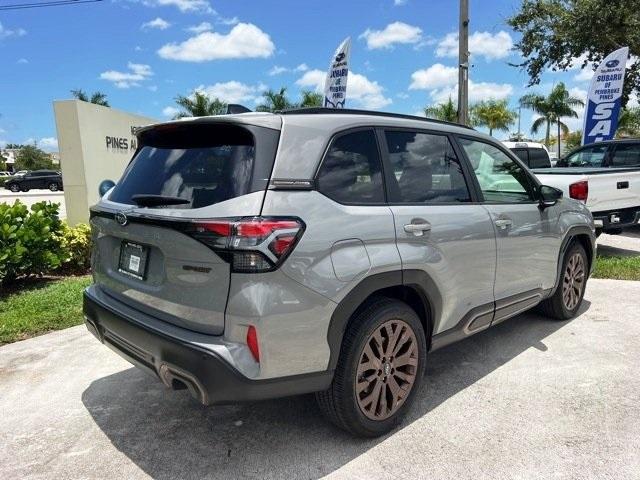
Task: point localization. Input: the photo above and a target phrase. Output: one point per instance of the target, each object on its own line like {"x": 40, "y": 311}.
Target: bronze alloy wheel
{"x": 386, "y": 369}
{"x": 573, "y": 281}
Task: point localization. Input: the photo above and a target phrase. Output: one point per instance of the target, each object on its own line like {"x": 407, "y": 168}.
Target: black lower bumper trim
{"x": 617, "y": 219}
{"x": 208, "y": 377}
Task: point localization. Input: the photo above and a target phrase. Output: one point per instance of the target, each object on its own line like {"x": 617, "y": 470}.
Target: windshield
{"x": 202, "y": 165}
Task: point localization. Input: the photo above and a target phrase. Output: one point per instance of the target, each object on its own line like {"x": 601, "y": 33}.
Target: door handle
{"x": 417, "y": 229}
{"x": 503, "y": 223}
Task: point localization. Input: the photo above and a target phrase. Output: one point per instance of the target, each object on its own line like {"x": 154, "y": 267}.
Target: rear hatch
{"x": 161, "y": 234}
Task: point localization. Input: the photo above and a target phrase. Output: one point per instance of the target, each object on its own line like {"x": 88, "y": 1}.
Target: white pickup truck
{"x": 611, "y": 194}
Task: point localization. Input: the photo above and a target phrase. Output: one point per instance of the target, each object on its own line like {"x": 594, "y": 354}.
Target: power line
{"x": 54, "y": 3}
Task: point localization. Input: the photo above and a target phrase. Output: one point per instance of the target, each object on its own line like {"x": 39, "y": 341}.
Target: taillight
{"x": 579, "y": 190}
{"x": 251, "y": 245}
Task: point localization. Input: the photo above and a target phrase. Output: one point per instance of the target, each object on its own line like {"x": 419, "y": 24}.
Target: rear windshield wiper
{"x": 144, "y": 200}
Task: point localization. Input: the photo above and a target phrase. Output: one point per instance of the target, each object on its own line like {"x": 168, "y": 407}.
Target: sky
{"x": 142, "y": 53}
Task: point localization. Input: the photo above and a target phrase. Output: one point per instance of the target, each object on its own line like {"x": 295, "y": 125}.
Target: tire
{"x": 53, "y": 186}
{"x": 345, "y": 402}
{"x": 560, "y": 306}
{"x": 24, "y": 189}
{"x": 14, "y": 188}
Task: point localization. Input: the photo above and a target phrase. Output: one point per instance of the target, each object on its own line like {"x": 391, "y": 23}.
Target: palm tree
{"x": 443, "y": 111}
{"x": 629, "y": 122}
{"x": 275, "y": 101}
{"x": 97, "y": 98}
{"x": 200, "y": 105}
{"x": 552, "y": 109}
{"x": 311, "y": 99}
{"x": 493, "y": 114}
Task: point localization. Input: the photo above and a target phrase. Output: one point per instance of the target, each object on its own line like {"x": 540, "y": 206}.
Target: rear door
{"x": 522, "y": 154}
{"x": 528, "y": 242}
{"x": 440, "y": 230}
{"x": 169, "y": 259}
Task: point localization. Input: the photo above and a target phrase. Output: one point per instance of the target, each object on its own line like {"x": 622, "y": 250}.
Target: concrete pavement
{"x": 530, "y": 398}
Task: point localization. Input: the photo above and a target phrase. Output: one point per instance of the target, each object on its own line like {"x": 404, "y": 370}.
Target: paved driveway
{"x": 530, "y": 398}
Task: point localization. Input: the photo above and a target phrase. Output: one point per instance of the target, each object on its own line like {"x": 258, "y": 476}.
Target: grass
{"x": 619, "y": 268}
{"x": 40, "y": 306}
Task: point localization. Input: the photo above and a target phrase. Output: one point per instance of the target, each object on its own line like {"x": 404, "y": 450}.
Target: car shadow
{"x": 168, "y": 435}
{"x": 609, "y": 251}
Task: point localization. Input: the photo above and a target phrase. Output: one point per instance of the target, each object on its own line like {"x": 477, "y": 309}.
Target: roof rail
{"x": 354, "y": 111}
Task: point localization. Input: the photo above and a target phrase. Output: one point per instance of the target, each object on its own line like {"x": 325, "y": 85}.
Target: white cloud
{"x": 396, "y": 32}
{"x": 23, "y": 61}
{"x": 50, "y": 144}
{"x": 277, "y": 70}
{"x": 185, "y": 6}
{"x": 584, "y": 75}
{"x": 6, "y": 33}
{"x": 364, "y": 92}
{"x": 402, "y": 95}
{"x": 398, "y": 3}
{"x": 170, "y": 111}
{"x": 481, "y": 44}
{"x": 228, "y": 21}
{"x": 201, "y": 27}
{"x": 245, "y": 40}
{"x": 436, "y": 76}
{"x": 233, "y": 91}
{"x": 137, "y": 73}
{"x": 477, "y": 92}
{"x": 157, "y": 23}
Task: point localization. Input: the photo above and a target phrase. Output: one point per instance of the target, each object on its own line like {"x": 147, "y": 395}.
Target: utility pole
{"x": 463, "y": 63}
{"x": 519, "y": 115}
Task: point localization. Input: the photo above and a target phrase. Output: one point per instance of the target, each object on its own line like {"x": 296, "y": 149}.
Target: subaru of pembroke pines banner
{"x": 605, "y": 96}
{"x": 335, "y": 86}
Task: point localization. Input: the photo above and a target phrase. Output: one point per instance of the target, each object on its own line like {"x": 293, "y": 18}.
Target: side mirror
{"x": 105, "y": 186}
{"x": 549, "y": 196}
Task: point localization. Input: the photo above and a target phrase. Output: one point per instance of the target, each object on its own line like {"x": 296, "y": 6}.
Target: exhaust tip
{"x": 177, "y": 379}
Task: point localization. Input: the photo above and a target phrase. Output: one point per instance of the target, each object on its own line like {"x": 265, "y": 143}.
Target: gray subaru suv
{"x": 258, "y": 255}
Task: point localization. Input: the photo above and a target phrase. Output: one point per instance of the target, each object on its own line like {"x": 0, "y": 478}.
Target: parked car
{"x": 253, "y": 256}
{"x": 612, "y": 154}
{"x": 5, "y": 174}
{"x": 36, "y": 179}
{"x": 533, "y": 155}
{"x": 20, "y": 173}
{"x": 606, "y": 177}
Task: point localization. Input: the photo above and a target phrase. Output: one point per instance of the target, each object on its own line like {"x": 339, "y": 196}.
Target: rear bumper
{"x": 178, "y": 363}
{"x": 616, "y": 219}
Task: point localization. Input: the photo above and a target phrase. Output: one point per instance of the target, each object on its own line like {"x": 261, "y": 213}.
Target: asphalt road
{"x": 34, "y": 196}
{"x": 530, "y": 398}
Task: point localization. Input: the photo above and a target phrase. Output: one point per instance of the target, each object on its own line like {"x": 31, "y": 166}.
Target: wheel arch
{"x": 413, "y": 287}
{"x": 585, "y": 236}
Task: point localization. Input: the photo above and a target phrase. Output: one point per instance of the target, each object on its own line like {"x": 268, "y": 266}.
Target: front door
{"x": 441, "y": 234}
{"x": 528, "y": 242}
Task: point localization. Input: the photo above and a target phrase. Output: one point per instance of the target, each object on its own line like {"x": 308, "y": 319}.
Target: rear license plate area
{"x": 133, "y": 260}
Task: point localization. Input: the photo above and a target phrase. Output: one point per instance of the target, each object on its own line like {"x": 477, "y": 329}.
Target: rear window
{"x": 539, "y": 158}
{"x": 202, "y": 163}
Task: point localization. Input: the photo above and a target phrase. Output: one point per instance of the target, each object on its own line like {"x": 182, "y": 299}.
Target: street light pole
{"x": 463, "y": 63}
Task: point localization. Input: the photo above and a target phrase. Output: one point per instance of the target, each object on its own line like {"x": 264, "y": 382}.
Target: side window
{"x": 626, "y": 155}
{"x": 351, "y": 171}
{"x": 587, "y": 157}
{"x": 425, "y": 168}
{"x": 501, "y": 179}
{"x": 539, "y": 158}
{"x": 522, "y": 154}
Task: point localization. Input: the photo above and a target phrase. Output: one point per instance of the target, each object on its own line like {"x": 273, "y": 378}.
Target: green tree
{"x": 572, "y": 140}
{"x": 447, "y": 111}
{"x": 275, "y": 101}
{"x": 629, "y": 123}
{"x": 311, "y": 99}
{"x": 200, "y": 105}
{"x": 552, "y": 109}
{"x": 30, "y": 157}
{"x": 556, "y": 32}
{"x": 97, "y": 98}
{"x": 493, "y": 114}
